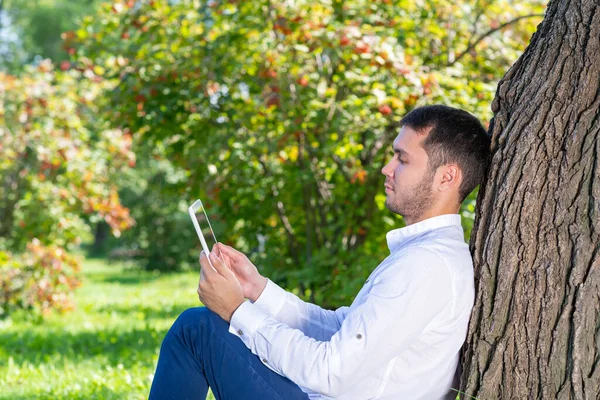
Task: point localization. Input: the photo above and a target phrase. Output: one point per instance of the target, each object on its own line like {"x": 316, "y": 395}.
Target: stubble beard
{"x": 416, "y": 200}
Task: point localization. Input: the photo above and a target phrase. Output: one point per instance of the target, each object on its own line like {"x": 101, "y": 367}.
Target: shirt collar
{"x": 396, "y": 237}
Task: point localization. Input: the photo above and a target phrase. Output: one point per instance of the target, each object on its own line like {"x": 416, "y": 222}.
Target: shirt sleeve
{"x": 308, "y": 318}
{"x": 402, "y": 302}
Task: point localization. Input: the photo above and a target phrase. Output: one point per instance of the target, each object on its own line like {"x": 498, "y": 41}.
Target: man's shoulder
{"x": 430, "y": 258}
{"x": 419, "y": 252}
{"x": 412, "y": 260}
{"x": 414, "y": 270}
{"x": 436, "y": 245}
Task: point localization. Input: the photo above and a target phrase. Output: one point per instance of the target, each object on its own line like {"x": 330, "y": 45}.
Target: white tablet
{"x": 202, "y": 226}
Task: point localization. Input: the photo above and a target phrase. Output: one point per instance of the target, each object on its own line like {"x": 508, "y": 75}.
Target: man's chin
{"x": 390, "y": 206}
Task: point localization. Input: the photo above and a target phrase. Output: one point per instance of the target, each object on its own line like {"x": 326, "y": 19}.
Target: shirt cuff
{"x": 272, "y": 299}
{"x": 245, "y": 321}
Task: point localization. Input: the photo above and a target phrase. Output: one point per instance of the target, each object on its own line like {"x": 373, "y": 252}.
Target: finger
{"x": 225, "y": 258}
{"x": 199, "y": 288}
{"x": 228, "y": 261}
{"x": 215, "y": 249}
{"x": 221, "y": 253}
{"x": 229, "y": 251}
{"x": 220, "y": 267}
{"x": 207, "y": 269}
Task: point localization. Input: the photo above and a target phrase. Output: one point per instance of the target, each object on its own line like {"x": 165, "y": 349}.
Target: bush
{"x": 40, "y": 280}
{"x": 58, "y": 164}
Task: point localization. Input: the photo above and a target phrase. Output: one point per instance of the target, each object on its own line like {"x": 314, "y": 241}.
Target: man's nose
{"x": 386, "y": 170}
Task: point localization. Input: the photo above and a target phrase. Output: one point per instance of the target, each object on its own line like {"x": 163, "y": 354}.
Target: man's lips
{"x": 388, "y": 188}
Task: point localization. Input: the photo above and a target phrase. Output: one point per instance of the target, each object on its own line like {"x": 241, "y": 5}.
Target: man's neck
{"x": 434, "y": 212}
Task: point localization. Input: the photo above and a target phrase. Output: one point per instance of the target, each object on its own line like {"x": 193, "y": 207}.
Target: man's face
{"x": 408, "y": 182}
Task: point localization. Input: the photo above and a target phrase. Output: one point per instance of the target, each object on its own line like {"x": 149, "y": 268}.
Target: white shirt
{"x": 400, "y": 338}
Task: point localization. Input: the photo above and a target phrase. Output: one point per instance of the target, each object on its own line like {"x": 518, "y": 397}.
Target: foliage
{"x": 40, "y": 280}
{"x": 57, "y": 174}
{"x": 37, "y": 28}
{"x": 163, "y": 237}
{"x": 106, "y": 348}
{"x": 281, "y": 113}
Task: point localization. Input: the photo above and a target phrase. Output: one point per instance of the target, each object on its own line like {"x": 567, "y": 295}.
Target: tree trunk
{"x": 535, "y": 328}
{"x": 100, "y": 236}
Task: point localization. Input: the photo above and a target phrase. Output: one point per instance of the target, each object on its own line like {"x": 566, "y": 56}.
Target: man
{"x": 400, "y": 338}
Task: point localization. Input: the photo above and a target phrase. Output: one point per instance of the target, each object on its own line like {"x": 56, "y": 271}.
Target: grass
{"x": 107, "y": 348}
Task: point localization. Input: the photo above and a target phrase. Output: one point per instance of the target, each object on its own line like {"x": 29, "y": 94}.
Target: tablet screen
{"x": 205, "y": 227}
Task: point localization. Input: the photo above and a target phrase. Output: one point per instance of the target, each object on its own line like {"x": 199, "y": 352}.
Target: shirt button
{"x": 264, "y": 360}
{"x": 240, "y": 332}
{"x": 367, "y": 281}
{"x": 358, "y": 336}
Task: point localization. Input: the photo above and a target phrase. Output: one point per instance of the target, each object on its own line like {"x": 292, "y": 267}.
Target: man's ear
{"x": 451, "y": 177}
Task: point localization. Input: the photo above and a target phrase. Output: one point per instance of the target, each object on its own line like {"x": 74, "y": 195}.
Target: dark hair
{"x": 454, "y": 136}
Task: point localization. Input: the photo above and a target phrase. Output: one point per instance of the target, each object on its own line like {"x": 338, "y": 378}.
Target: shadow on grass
{"x": 84, "y": 393}
{"x": 131, "y": 278}
{"x": 136, "y": 346}
{"x": 121, "y": 273}
{"x": 116, "y": 346}
{"x": 142, "y": 312}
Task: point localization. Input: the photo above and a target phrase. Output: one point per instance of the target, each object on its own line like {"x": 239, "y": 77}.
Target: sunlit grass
{"x": 106, "y": 349}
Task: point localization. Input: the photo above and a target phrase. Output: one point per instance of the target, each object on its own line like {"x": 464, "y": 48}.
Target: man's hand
{"x": 251, "y": 281}
{"x": 219, "y": 289}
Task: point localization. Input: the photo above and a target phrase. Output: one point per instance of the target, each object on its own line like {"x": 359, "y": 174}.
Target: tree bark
{"x": 100, "y": 236}
{"x": 535, "y": 328}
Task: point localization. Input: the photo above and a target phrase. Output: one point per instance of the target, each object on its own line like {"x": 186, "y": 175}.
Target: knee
{"x": 187, "y": 324}
{"x": 192, "y": 326}
{"x": 196, "y": 316}
{"x": 191, "y": 316}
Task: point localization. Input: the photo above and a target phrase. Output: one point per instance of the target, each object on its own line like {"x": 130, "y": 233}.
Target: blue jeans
{"x": 198, "y": 352}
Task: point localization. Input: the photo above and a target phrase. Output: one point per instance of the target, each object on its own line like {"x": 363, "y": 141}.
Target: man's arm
{"x": 285, "y": 307}
{"x": 403, "y": 300}
{"x": 310, "y": 319}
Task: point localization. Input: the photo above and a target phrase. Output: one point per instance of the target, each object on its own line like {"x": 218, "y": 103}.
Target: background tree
{"x": 534, "y": 332}
{"x": 279, "y": 115}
